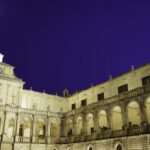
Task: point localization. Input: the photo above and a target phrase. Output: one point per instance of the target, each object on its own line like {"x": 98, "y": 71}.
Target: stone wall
{"x": 127, "y": 143}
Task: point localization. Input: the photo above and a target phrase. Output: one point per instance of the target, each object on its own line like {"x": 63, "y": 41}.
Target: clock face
{"x": 0, "y": 71}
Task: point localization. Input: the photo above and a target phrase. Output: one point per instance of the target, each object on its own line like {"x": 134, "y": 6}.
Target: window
{"x": 122, "y": 88}
{"x": 83, "y": 102}
{"x": 73, "y": 106}
{"x": 146, "y": 80}
{"x": 100, "y": 96}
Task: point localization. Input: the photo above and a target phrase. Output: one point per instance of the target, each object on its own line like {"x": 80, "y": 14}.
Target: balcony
{"x": 20, "y": 139}
{"x": 37, "y": 140}
{"x": 120, "y": 97}
{"x": 133, "y": 131}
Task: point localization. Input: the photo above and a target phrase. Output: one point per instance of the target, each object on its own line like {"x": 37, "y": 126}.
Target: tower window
{"x": 73, "y": 106}
{"x": 100, "y": 96}
{"x": 146, "y": 80}
{"x": 83, "y": 102}
{"x": 122, "y": 88}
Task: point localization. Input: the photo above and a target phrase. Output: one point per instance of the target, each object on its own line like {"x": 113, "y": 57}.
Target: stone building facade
{"x": 114, "y": 115}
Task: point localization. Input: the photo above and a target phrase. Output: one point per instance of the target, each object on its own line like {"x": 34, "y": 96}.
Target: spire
{"x": 1, "y": 58}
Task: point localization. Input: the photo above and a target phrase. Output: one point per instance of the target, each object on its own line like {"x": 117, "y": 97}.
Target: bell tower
{"x": 10, "y": 85}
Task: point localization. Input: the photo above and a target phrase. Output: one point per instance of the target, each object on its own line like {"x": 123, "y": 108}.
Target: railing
{"x": 118, "y": 133}
{"x": 41, "y": 140}
{"x": 90, "y": 137}
{"x": 22, "y": 139}
{"x": 80, "y": 138}
{"x": 104, "y": 134}
{"x": 53, "y": 140}
{"x": 138, "y": 130}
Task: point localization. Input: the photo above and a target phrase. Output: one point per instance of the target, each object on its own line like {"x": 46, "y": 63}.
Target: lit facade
{"x": 114, "y": 115}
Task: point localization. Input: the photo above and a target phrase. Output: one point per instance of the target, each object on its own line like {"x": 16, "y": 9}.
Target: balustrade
{"x": 109, "y": 134}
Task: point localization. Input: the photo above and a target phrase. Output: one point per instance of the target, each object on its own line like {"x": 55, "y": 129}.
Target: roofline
{"x": 109, "y": 80}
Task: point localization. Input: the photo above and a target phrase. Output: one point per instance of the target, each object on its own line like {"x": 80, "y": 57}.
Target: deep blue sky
{"x": 56, "y": 44}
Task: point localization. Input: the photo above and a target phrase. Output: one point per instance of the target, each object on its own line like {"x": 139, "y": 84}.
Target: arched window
{"x": 116, "y": 118}
{"x": 119, "y": 147}
{"x": 25, "y": 127}
{"x": 133, "y": 113}
{"x": 102, "y": 119}
{"x": 39, "y": 129}
{"x": 148, "y": 109}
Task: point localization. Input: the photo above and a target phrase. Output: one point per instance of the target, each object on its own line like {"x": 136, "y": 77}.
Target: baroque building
{"x": 114, "y": 115}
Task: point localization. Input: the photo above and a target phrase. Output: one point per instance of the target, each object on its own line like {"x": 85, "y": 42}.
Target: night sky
{"x": 58, "y": 44}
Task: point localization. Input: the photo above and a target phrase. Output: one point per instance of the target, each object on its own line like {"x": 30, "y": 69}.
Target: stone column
{"x": 19, "y": 97}
{"x": 62, "y": 133}
{"x": 4, "y": 124}
{"x": 96, "y": 121}
{"x": 124, "y": 114}
{"x": 74, "y": 130}
{"x": 142, "y": 108}
{"x": 109, "y": 117}
{"x": 65, "y": 127}
{"x": 48, "y": 129}
{"x": 84, "y": 122}
{"x": 7, "y": 95}
{"x": 32, "y": 128}
{"x": 16, "y": 126}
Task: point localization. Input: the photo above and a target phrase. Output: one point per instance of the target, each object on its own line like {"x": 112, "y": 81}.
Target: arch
{"x": 116, "y": 118}
{"x": 25, "y": 127}
{"x": 40, "y": 128}
{"x": 55, "y": 148}
{"x": 90, "y": 123}
{"x": 11, "y": 124}
{"x": 79, "y": 125}
{"x": 90, "y": 147}
{"x": 148, "y": 109}
{"x": 133, "y": 112}
{"x": 118, "y": 147}
{"x": 54, "y": 129}
{"x": 103, "y": 119}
